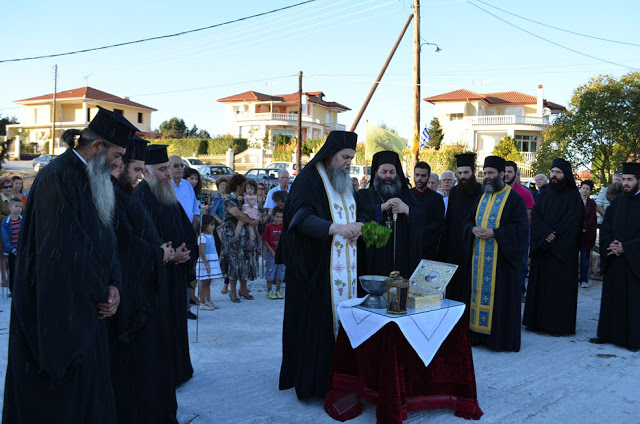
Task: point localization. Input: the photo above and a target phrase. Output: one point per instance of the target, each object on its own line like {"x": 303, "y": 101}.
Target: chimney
{"x": 540, "y": 102}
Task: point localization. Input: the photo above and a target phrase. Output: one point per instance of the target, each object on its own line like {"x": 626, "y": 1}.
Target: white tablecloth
{"x": 425, "y": 331}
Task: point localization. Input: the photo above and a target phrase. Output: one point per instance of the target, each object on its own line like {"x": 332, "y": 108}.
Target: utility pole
{"x": 416, "y": 82}
{"x": 53, "y": 118}
{"x": 299, "y": 147}
{"x": 384, "y": 68}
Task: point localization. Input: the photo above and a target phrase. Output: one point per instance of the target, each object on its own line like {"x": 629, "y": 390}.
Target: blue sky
{"x": 340, "y": 45}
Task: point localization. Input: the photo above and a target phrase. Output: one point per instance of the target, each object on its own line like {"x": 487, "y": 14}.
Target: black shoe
{"x": 595, "y": 340}
{"x": 191, "y": 315}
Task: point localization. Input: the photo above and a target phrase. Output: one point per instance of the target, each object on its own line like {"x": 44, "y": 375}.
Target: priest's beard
{"x": 492, "y": 185}
{"x": 633, "y": 190}
{"x": 466, "y": 186}
{"x": 102, "y": 193}
{"x": 557, "y": 185}
{"x": 125, "y": 182}
{"x": 163, "y": 190}
{"x": 340, "y": 179}
{"x": 385, "y": 190}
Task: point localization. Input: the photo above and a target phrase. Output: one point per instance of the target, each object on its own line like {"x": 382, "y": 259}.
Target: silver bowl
{"x": 376, "y": 286}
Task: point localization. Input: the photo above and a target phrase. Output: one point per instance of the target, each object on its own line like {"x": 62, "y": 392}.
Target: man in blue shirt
{"x": 187, "y": 199}
{"x": 184, "y": 191}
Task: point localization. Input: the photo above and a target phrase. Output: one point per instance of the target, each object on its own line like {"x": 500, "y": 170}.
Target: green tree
{"x": 4, "y": 121}
{"x": 443, "y": 159}
{"x": 174, "y": 128}
{"x": 282, "y": 140}
{"x": 436, "y": 134}
{"x": 507, "y": 148}
{"x": 601, "y": 127}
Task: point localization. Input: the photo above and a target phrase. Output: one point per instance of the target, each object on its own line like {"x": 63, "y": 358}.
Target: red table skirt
{"x": 387, "y": 372}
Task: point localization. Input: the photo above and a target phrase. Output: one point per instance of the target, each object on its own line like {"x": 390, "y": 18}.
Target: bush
{"x": 443, "y": 159}
{"x": 198, "y": 146}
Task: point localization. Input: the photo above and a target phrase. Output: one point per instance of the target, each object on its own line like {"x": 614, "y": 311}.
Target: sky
{"x": 340, "y": 45}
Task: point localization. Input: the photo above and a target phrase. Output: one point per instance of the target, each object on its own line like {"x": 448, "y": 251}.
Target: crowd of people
{"x": 117, "y": 243}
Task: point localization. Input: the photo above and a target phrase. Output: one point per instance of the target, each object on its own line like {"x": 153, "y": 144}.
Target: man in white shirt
{"x": 283, "y": 179}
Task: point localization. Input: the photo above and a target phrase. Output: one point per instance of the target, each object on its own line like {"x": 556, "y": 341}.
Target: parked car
{"x": 42, "y": 160}
{"x": 262, "y": 174}
{"x": 291, "y": 167}
{"x": 194, "y": 163}
{"x": 360, "y": 171}
{"x": 210, "y": 173}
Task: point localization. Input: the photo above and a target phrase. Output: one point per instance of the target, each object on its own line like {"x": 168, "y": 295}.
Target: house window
{"x": 88, "y": 114}
{"x": 139, "y": 117}
{"x": 118, "y": 111}
{"x": 456, "y": 117}
{"x": 527, "y": 143}
{"x": 35, "y": 115}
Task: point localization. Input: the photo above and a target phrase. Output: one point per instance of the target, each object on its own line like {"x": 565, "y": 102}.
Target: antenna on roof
{"x": 86, "y": 79}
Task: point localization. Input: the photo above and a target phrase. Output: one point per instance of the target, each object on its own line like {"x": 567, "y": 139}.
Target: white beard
{"x": 164, "y": 191}
{"x": 102, "y": 191}
{"x": 340, "y": 180}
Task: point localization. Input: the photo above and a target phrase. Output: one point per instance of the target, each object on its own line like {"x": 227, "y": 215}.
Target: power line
{"x": 550, "y": 41}
{"x": 160, "y": 36}
{"x": 560, "y": 29}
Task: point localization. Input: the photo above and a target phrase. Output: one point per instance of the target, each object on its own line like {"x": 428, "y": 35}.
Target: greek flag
{"x": 424, "y": 138}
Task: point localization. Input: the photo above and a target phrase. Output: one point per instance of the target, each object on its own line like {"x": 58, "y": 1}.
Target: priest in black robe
{"x": 433, "y": 209}
{"x": 158, "y": 199}
{"x": 462, "y": 199}
{"x": 66, "y": 284}
{"x": 319, "y": 227}
{"x": 390, "y": 201}
{"x": 619, "y": 321}
{"x": 556, "y": 235}
{"x": 140, "y": 341}
{"x": 498, "y": 225}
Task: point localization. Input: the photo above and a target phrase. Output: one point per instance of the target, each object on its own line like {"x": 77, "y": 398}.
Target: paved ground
{"x": 18, "y": 164}
{"x": 551, "y": 380}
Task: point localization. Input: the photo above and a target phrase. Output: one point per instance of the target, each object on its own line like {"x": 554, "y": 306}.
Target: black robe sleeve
{"x": 512, "y": 235}
{"x": 434, "y": 224}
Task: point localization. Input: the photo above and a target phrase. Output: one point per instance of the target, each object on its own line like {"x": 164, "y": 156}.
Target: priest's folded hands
{"x": 482, "y": 233}
{"x": 349, "y": 231}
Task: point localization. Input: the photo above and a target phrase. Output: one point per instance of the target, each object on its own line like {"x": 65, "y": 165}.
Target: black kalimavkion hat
{"x": 110, "y": 127}
{"x": 157, "y": 153}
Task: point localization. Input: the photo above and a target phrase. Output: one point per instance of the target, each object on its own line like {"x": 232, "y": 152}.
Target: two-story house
{"x": 74, "y": 109}
{"x": 257, "y": 116}
{"x": 479, "y": 121}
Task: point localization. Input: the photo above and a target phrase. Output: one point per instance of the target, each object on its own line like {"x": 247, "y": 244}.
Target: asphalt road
{"x": 18, "y": 165}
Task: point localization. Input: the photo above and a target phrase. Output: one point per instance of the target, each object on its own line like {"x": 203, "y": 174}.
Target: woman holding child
{"x": 239, "y": 254}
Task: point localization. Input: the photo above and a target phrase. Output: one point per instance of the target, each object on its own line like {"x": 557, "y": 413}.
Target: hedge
{"x": 200, "y": 146}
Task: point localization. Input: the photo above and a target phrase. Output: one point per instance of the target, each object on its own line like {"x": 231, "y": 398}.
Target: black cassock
{"x": 58, "y": 363}
{"x": 408, "y": 236}
{"x": 453, "y": 246}
{"x": 305, "y": 248}
{"x": 140, "y": 340}
{"x": 174, "y": 226}
{"x": 511, "y": 237}
{"x": 620, "y": 308}
{"x": 552, "y": 293}
{"x": 434, "y": 222}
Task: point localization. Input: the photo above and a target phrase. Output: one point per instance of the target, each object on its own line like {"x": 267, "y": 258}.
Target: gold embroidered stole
{"x": 485, "y": 258}
{"x": 343, "y": 268}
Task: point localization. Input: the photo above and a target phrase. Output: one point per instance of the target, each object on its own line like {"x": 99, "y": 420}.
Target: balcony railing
{"x": 269, "y": 116}
{"x": 529, "y": 156}
{"x": 507, "y": 120}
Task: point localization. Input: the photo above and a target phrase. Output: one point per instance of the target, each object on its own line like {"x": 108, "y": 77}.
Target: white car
{"x": 360, "y": 171}
{"x": 291, "y": 167}
{"x": 194, "y": 163}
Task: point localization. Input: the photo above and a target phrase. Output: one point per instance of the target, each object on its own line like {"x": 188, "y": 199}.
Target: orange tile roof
{"x": 254, "y": 96}
{"x": 88, "y": 93}
{"x": 505, "y": 97}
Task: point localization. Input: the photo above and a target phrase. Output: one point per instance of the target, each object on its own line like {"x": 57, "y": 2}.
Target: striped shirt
{"x": 15, "y": 231}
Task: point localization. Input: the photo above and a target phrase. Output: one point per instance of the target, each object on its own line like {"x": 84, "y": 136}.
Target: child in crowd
{"x": 250, "y": 208}
{"x": 280, "y": 198}
{"x": 270, "y": 239}
{"x": 208, "y": 265}
{"x": 10, "y": 232}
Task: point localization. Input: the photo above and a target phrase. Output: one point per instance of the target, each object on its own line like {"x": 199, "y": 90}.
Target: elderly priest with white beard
{"x": 67, "y": 279}
{"x": 158, "y": 198}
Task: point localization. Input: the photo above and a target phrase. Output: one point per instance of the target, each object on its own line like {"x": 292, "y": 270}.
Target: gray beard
{"x": 387, "y": 191}
{"x": 340, "y": 180}
{"x": 164, "y": 191}
{"x": 494, "y": 186}
{"x": 102, "y": 192}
